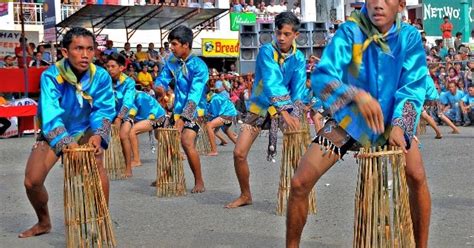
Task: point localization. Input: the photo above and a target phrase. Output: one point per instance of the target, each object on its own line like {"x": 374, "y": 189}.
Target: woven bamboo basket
{"x": 377, "y": 221}
{"x": 114, "y": 161}
{"x": 422, "y": 126}
{"x": 86, "y": 213}
{"x": 305, "y": 130}
{"x": 293, "y": 150}
{"x": 202, "y": 141}
{"x": 170, "y": 172}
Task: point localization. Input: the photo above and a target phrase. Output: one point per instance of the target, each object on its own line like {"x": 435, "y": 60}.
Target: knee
{"x": 187, "y": 143}
{"x": 416, "y": 179}
{"x": 124, "y": 136}
{"x": 239, "y": 155}
{"x": 31, "y": 184}
{"x": 299, "y": 188}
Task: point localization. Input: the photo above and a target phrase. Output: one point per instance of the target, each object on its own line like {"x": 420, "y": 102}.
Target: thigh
{"x": 414, "y": 162}
{"x": 188, "y": 136}
{"x": 217, "y": 122}
{"x": 141, "y": 127}
{"x": 247, "y": 136}
{"x": 42, "y": 158}
{"x": 314, "y": 164}
{"x": 125, "y": 129}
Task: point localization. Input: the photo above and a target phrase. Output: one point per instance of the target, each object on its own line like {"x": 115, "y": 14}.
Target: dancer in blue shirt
{"x": 76, "y": 106}
{"x": 372, "y": 104}
{"x": 190, "y": 74}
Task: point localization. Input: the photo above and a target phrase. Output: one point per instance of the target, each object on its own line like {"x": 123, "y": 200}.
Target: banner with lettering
{"x": 220, "y": 47}
{"x": 49, "y": 26}
{"x": 435, "y": 10}
{"x": 11, "y": 39}
{"x": 238, "y": 18}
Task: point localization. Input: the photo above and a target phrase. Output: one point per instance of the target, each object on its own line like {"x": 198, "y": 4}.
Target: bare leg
{"x": 126, "y": 147}
{"x": 220, "y": 136}
{"x": 420, "y": 200}
{"x": 40, "y": 162}
{"x": 210, "y": 126}
{"x": 232, "y": 136}
{"x": 244, "y": 143}
{"x": 449, "y": 123}
{"x": 138, "y": 128}
{"x": 312, "y": 166}
{"x": 432, "y": 123}
{"x": 187, "y": 140}
{"x": 104, "y": 179}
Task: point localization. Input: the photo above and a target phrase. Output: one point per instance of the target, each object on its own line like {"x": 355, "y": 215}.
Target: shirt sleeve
{"x": 199, "y": 80}
{"x": 103, "y": 109}
{"x": 128, "y": 98}
{"x": 272, "y": 78}
{"x": 52, "y": 124}
{"x": 411, "y": 91}
{"x": 326, "y": 79}
{"x": 299, "y": 91}
{"x": 165, "y": 77}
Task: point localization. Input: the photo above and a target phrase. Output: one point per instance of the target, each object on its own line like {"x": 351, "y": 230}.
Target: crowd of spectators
{"x": 262, "y": 10}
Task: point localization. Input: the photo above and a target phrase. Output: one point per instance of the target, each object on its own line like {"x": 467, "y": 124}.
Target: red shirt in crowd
{"x": 446, "y": 28}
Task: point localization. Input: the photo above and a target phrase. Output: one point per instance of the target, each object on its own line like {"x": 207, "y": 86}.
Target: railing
{"x": 32, "y": 13}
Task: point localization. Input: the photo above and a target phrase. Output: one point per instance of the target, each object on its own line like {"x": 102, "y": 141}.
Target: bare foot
{"x": 136, "y": 163}
{"x": 240, "y": 202}
{"x": 438, "y": 136}
{"x": 212, "y": 154}
{"x": 36, "y": 230}
{"x": 128, "y": 174}
{"x": 198, "y": 188}
{"x": 456, "y": 131}
{"x": 153, "y": 184}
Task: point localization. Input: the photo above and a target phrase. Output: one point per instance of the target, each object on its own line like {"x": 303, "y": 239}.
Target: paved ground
{"x": 143, "y": 220}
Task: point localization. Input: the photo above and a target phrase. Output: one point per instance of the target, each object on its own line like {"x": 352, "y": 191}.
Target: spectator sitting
{"x": 8, "y": 62}
{"x": 153, "y": 55}
{"x": 236, "y": 6}
{"x": 222, "y": 86}
{"x": 272, "y": 9}
{"x": 418, "y": 24}
{"x": 127, "y": 52}
{"x": 110, "y": 48}
{"x": 155, "y": 71}
{"x": 131, "y": 72}
{"x": 140, "y": 55}
{"x": 46, "y": 55}
{"x": 250, "y": 7}
{"x": 38, "y": 61}
{"x": 450, "y": 100}
{"x": 467, "y": 106}
{"x": 144, "y": 78}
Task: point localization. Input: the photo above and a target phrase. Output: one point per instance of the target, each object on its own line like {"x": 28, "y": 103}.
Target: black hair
{"x": 21, "y": 39}
{"x": 117, "y": 57}
{"x": 182, "y": 34}
{"x": 445, "y": 17}
{"x": 287, "y": 18}
{"x": 7, "y": 56}
{"x": 423, "y": 39}
{"x": 458, "y": 34}
{"x": 75, "y": 32}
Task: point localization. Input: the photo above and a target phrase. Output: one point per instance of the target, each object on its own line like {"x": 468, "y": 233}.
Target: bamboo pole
{"x": 87, "y": 217}
{"x": 114, "y": 161}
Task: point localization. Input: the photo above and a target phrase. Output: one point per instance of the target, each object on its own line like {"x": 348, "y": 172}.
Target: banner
{"x": 237, "y": 18}
{"x": 220, "y": 47}
{"x": 435, "y": 10}
{"x": 49, "y": 26}
{"x": 11, "y": 39}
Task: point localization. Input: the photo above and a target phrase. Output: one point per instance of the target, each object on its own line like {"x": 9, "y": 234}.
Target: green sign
{"x": 435, "y": 10}
{"x": 237, "y": 18}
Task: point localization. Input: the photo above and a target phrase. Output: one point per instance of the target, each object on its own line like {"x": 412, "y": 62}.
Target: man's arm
{"x": 52, "y": 124}
{"x": 198, "y": 84}
{"x": 165, "y": 77}
{"x": 298, "y": 90}
{"x": 103, "y": 108}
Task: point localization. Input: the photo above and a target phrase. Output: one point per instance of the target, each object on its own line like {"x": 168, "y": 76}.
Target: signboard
{"x": 101, "y": 40}
{"x": 11, "y": 39}
{"x": 220, "y": 47}
{"x": 49, "y": 26}
{"x": 237, "y": 18}
{"x": 435, "y": 10}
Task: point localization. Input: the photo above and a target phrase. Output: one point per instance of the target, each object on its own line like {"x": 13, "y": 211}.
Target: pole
{"x": 465, "y": 20}
{"x": 23, "y": 47}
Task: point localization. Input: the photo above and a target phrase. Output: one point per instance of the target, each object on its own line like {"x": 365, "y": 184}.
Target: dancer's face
{"x": 382, "y": 13}
{"x": 285, "y": 37}
{"x": 79, "y": 53}
{"x": 114, "y": 69}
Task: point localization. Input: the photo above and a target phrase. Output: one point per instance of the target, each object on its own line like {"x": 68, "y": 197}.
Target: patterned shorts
{"x": 257, "y": 121}
{"x": 334, "y": 138}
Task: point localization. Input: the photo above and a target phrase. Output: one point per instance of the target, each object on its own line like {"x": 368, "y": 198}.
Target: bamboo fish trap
{"x": 114, "y": 162}
{"x": 422, "y": 126}
{"x": 377, "y": 222}
{"x": 305, "y": 128}
{"x": 170, "y": 173}
{"x": 86, "y": 213}
{"x": 202, "y": 141}
{"x": 293, "y": 150}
